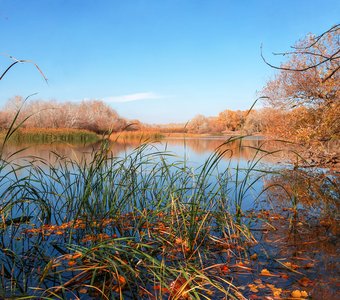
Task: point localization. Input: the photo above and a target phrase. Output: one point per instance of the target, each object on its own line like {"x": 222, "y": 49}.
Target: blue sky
{"x": 155, "y": 60}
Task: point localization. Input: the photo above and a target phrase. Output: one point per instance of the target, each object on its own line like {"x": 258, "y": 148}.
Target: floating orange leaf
{"x": 305, "y": 282}
{"x": 299, "y": 294}
{"x": 225, "y": 269}
{"x": 71, "y": 263}
{"x": 265, "y": 272}
{"x": 253, "y": 257}
{"x": 253, "y": 288}
{"x": 121, "y": 282}
{"x": 289, "y": 265}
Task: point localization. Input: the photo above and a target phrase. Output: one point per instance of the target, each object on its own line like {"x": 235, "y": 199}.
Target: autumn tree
{"x": 310, "y": 78}
{"x": 92, "y": 115}
{"x": 254, "y": 122}
{"x": 230, "y": 120}
{"x": 199, "y": 124}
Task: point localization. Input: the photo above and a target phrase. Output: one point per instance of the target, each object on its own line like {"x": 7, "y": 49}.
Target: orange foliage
{"x": 306, "y": 90}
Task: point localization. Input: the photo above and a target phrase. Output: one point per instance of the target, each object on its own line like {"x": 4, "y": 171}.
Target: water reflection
{"x": 193, "y": 149}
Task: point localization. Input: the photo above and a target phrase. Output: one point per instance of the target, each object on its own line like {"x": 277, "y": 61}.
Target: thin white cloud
{"x": 132, "y": 97}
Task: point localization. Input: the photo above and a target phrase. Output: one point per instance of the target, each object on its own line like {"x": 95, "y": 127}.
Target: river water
{"x": 309, "y": 240}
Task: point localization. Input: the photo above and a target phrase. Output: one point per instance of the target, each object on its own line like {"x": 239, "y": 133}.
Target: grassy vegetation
{"x": 51, "y": 135}
{"x": 118, "y": 227}
{"x": 137, "y": 136}
{"x": 144, "y": 226}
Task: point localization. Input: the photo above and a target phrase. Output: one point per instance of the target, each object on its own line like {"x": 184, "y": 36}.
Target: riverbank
{"x": 51, "y": 135}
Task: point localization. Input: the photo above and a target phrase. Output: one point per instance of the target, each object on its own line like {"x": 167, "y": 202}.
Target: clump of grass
{"x": 144, "y": 224}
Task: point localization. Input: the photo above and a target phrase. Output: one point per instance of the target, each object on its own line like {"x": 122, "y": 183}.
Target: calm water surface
{"x": 194, "y": 150}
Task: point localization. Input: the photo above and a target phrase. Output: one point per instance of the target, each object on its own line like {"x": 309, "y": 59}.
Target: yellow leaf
{"x": 253, "y": 288}
{"x": 253, "y": 257}
{"x": 296, "y": 294}
{"x": 304, "y": 294}
{"x": 265, "y": 272}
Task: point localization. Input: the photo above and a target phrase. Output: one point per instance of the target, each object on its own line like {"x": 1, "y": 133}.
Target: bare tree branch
{"x": 314, "y": 51}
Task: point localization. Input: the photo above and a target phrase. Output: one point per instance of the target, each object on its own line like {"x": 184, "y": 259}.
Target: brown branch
{"x": 331, "y": 74}
{"x": 318, "y": 38}
{"x": 308, "y": 53}
{"x": 292, "y": 69}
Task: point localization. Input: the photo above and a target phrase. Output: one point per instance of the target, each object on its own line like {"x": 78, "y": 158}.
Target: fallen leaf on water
{"x": 289, "y": 265}
{"x": 178, "y": 241}
{"x": 299, "y": 294}
{"x": 253, "y": 288}
{"x": 71, "y": 263}
{"x": 265, "y": 272}
{"x": 120, "y": 284}
{"x": 253, "y": 257}
{"x": 225, "y": 269}
{"x": 305, "y": 282}
{"x": 304, "y": 294}
{"x": 276, "y": 291}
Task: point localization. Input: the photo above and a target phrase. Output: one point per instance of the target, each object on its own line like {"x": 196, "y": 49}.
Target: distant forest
{"x": 300, "y": 123}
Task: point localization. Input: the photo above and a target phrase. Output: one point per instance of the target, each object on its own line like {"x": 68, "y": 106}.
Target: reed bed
{"x": 139, "y": 135}
{"x": 51, "y": 135}
{"x": 143, "y": 226}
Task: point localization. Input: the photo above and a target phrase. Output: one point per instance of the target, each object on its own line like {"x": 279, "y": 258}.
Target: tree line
{"x": 93, "y": 115}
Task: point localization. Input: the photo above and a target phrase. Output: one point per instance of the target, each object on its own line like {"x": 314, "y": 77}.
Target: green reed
{"x": 143, "y": 223}
{"x": 43, "y": 136}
